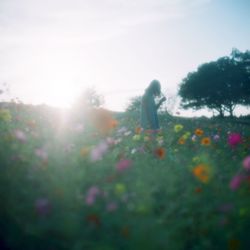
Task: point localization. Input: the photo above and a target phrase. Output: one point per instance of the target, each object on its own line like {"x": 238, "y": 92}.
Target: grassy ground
{"x": 102, "y": 184}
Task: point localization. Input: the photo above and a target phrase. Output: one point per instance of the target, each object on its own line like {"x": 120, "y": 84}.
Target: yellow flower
{"x": 178, "y": 128}
{"x": 199, "y": 132}
{"x": 120, "y": 188}
{"x": 136, "y": 137}
{"x": 5, "y": 115}
{"x": 202, "y": 172}
{"x": 196, "y": 159}
{"x": 181, "y": 141}
{"x": 206, "y": 141}
{"x": 84, "y": 151}
{"x": 186, "y": 135}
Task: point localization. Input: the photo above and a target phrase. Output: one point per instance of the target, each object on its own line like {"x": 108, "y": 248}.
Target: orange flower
{"x": 85, "y": 151}
{"x": 206, "y": 141}
{"x": 202, "y": 172}
{"x": 94, "y": 219}
{"x": 138, "y": 130}
{"x": 181, "y": 141}
{"x": 102, "y": 120}
{"x": 198, "y": 190}
{"x": 199, "y": 132}
{"x": 160, "y": 153}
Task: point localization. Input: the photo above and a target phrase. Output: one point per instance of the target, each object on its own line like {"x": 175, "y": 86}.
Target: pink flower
{"x": 123, "y": 164}
{"x": 91, "y": 195}
{"x": 93, "y": 191}
{"x": 234, "y": 139}
{"x": 41, "y": 153}
{"x": 90, "y": 200}
{"x": 236, "y": 181}
{"x": 98, "y": 152}
{"x": 246, "y": 163}
{"x": 20, "y": 135}
{"x": 111, "y": 207}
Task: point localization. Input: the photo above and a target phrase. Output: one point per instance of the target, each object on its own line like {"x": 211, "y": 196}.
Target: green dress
{"x": 149, "y": 117}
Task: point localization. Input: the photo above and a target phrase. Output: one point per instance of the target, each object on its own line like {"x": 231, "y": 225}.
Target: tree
{"x": 134, "y": 104}
{"x": 219, "y": 85}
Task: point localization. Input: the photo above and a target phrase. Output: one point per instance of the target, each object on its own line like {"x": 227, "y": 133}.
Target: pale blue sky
{"x": 51, "y": 50}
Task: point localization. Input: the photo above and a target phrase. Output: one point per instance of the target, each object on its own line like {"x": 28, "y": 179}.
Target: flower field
{"x": 101, "y": 183}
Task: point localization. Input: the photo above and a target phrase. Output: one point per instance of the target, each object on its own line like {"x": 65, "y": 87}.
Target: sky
{"x": 52, "y": 50}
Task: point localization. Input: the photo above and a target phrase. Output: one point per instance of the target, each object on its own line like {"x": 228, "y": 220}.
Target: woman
{"x": 149, "y": 117}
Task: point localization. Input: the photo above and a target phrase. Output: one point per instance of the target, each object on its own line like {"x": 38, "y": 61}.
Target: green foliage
{"x": 153, "y": 202}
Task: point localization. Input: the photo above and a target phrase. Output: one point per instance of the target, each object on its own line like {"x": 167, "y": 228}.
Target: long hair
{"x": 154, "y": 88}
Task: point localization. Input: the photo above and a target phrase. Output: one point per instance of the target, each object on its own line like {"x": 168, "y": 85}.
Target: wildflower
{"x": 5, "y": 115}
{"x": 125, "y": 231}
{"x": 216, "y": 138}
{"x": 178, "y": 128}
{"x": 42, "y": 206}
{"x": 120, "y": 188}
{"x": 41, "y": 153}
{"x": 20, "y": 135}
{"x": 160, "y": 153}
{"x": 84, "y": 151}
{"x": 127, "y": 133}
{"x": 198, "y": 190}
{"x": 146, "y": 138}
{"x": 206, "y": 141}
{"x": 111, "y": 206}
{"x": 123, "y": 164}
{"x": 196, "y": 159}
{"x": 97, "y": 153}
{"x": 186, "y": 135}
{"x": 202, "y": 172}
{"x": 93, "y": 219}
{"x": 199, "y": 132}
{"x": 91, "y": 195}
{"x": 160, "y": 140}
{"x": 133, "y": 151}
{"x": 246, "y": 163}
{"x": 234, "y": 139}
{"x": 236, "y": 182}
{"x": 136, "y": 137}
{"x": 102, "y": 120}
{"x": 138, "y": 130}
{"x": 181, "y": 141}
{"x": 31, "y": 124}
{"x": 193, "y": 138}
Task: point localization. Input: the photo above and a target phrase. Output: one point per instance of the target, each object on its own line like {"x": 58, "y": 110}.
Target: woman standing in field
{"x": 149, "y": 117}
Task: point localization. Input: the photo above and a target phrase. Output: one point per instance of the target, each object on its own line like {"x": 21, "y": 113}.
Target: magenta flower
{"x": 234, "y": 139}
{"x": 236, "y": 182}
{"x": 123, "y": 164}
{"x": 246, "y": 163}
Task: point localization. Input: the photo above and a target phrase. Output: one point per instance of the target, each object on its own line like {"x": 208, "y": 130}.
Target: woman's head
{"x": 154, "y": 87}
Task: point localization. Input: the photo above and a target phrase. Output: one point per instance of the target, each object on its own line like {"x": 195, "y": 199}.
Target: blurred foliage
{"x": 67, "y": 184}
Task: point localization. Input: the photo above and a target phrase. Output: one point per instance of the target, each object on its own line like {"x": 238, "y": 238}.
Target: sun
{"x": 56, "y": 80}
